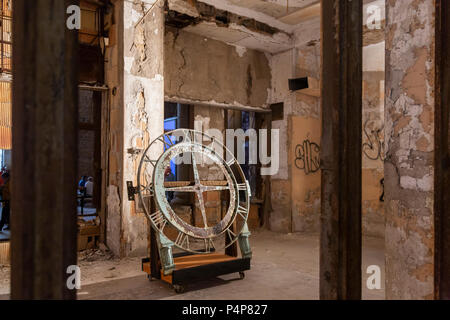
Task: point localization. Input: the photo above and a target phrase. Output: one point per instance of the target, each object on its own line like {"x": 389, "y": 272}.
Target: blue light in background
{"x": 170, "y": 124}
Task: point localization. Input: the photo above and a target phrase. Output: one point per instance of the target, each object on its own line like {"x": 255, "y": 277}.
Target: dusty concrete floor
{"x": 283, "y": 267}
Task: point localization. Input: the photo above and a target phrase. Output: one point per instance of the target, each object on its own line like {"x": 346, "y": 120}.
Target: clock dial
{"x": 204, "y": 234}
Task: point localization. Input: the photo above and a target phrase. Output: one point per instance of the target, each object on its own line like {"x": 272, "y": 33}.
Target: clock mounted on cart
{"x": 206, "y": 248}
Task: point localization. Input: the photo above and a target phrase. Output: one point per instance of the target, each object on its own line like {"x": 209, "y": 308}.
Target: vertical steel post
{"x": 44, "y": 153}
{"x": 442, "y": 152}
{"x": 340, "y": 243}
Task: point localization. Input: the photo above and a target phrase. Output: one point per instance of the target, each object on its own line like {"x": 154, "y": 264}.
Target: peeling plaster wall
{"x": 373, "y": 139}
{"x": 198, "y": 68}
{"x": 144, "y": 107}
{"x": 305, "y": 185}
{"x": 280, "y": 217}
{"x": 114, "y": 79}
{"x": 409, "y": 133}
{"x": 136, "y": 70}
{"x": 289, "y": 188}
{"x": 296, "y": 195}
{"x": 206, "y": 119}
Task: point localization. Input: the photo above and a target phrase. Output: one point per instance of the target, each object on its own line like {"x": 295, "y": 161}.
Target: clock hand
{"x": 199, "y": 191}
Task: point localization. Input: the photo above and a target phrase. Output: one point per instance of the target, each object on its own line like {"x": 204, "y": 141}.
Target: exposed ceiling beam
{"x": 301, "y": 15}
{"x": 240, "y": 10}
{"x": 210, "y": 22}
{"x": 194, "y": 12}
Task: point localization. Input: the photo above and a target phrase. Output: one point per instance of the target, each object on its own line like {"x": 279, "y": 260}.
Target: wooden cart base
{"x": 191, "y": 268}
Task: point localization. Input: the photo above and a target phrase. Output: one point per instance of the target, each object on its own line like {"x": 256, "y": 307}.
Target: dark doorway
{"x": 89, "y": 153}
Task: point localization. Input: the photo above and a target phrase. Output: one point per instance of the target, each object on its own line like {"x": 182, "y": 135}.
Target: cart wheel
{"x": 178, "y": 288}
{"x": 242, "y": 275}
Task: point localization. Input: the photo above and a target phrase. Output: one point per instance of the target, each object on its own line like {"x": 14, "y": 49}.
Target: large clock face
{"x": 188, "y": 147}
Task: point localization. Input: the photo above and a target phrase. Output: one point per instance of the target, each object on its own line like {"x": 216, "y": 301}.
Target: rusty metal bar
{"x": 171, "y": 184}
{"x": 93, "y": 88}
{"x": 44, "y": 173}
{"x": 217, "y": 105}
{"x": 442, "y": 152}
{"x": 340, "y": 241}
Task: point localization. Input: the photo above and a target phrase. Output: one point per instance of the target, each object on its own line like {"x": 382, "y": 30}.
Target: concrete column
{"x": 409, "y": 172}
{"x": 137, "y": 72}
{"x": 44, "y": 158}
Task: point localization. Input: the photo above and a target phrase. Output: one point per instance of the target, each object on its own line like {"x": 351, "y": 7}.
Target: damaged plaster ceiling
{"x": 276, "y": 21}
{"x": 264, "y": 25}
{"x": 241, "y": 37}
{"x": 279, "y": 9}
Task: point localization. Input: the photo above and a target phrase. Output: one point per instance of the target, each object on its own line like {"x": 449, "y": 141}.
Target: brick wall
{"x": 86, "y": 147}
{"x": 86, "y": 138}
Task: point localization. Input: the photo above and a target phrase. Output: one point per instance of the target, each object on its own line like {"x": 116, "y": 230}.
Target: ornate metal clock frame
{"x": 189, "y": 147}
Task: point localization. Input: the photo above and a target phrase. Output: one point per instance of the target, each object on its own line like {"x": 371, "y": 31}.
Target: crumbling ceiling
{"x": 274, "y": 8}
{"x": 233, "y": 24}
{"x": 264, "y": 25}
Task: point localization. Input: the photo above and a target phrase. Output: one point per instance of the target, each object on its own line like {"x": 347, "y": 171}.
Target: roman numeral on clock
{"x": 231, "y": 235}
{"x": 242, "y": 211}
{"x": 159, "y": 220}
{"x": 242, "y": 187}
{"x": 182, "y": 239}
{"x": 209, "y": 244}
{"x": 231, "y": 162}
{"x": 187, "y": 136}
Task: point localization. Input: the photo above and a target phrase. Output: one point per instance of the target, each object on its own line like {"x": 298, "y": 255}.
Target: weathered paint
{"x": 373, "y": 138}
{"x": 44, "y": 151}
{"x": 409, "y": 133}
{"x": 135, "y": 71}
{"x": 341, "y": 90}
{"x": 307, "y": 44}
{"x": 289, "y": 212}
{"x": 203, "y": 69}
{"x": 305, "y": 186}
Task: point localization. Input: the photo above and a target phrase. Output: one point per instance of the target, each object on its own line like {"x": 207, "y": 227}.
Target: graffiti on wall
{"x": 382, "y": 187}
{"x": 373, "y": 149}
{"x": 307, "y": 157}
{"x": 307, "y": 154}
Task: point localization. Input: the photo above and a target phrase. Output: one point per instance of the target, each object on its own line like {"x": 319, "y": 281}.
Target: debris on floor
{"x": 95, "y": 255}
